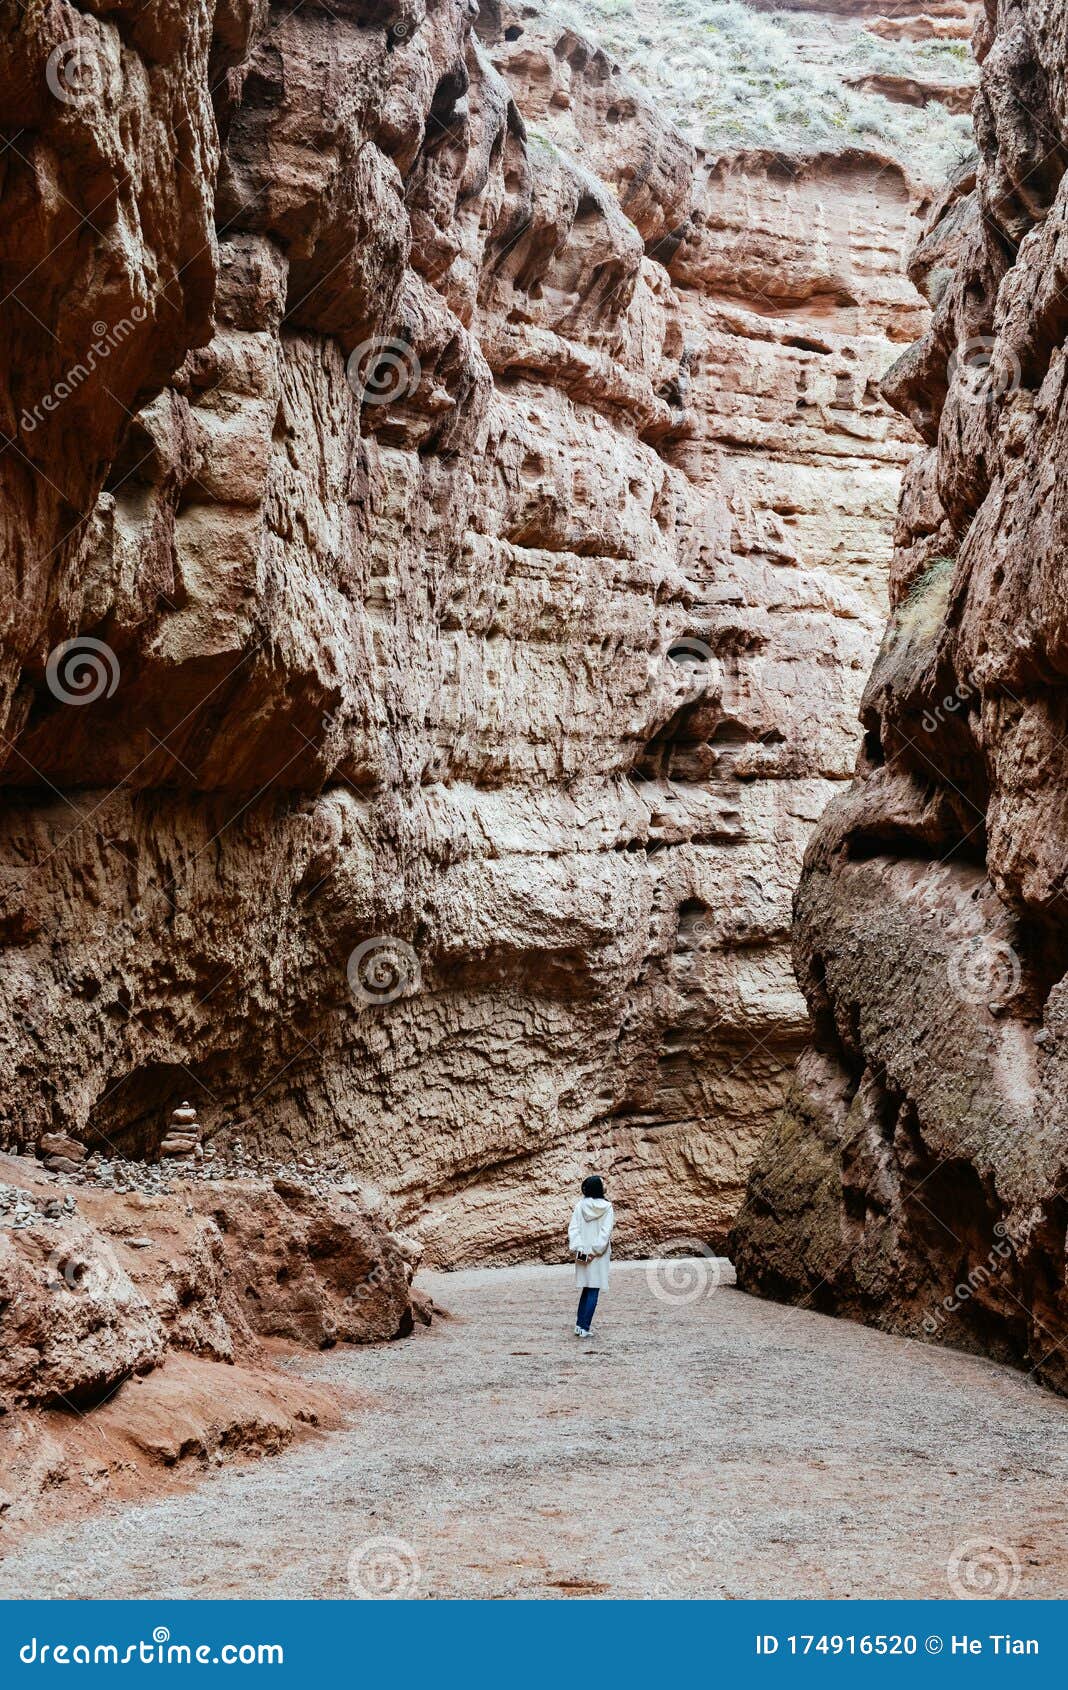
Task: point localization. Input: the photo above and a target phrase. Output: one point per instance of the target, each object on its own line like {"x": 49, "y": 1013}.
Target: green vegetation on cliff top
{"x": 735, "y": 78}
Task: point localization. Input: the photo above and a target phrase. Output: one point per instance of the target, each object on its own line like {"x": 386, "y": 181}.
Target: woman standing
{"x": 590, "y": 1239}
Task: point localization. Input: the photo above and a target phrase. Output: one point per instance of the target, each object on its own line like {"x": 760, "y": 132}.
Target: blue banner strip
{"x": 537, "y": 1645}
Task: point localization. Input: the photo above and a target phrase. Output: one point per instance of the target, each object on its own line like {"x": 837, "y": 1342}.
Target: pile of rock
{"x": 20, "y": 1209}
{"x": 60, "y": 1154}
{"x": 119, "y": 1175}
{"x": 184, "y": 1155}
{"x": 184, "y": 1135}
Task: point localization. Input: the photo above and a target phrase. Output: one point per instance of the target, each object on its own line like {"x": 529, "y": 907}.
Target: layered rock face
{"x": 916, "y": 1178}
{"x": 446, "y": 525}
{"x": 141, "y": 1329}
{"x": 98, "y": 1292}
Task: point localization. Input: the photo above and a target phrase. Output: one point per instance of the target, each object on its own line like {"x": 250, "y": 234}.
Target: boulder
{"x": 59, "y": 1144}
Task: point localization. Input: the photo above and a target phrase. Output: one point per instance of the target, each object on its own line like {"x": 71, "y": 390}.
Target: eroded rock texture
{"x": 140, "y": 1331}
{"x": 92, "y": 1297}
{"x": 480, "y": 506}
{"x": 916, "y": 1178}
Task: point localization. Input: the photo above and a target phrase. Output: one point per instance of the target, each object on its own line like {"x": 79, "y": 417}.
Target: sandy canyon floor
{"x": 713, "y": 1447}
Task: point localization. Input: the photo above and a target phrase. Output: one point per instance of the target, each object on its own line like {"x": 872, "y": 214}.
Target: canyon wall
{"x": 916, "y": 1178}
{"x": 445, "y": 534}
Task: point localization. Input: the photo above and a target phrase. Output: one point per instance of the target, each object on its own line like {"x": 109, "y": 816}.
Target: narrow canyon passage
{"x": 718, "y": 1447}
{"x": 533, "y": 645}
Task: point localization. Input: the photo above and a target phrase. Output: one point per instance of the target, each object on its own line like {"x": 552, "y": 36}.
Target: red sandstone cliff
{"x": 470, "y": 511}
{"x": 916, "y": 1179}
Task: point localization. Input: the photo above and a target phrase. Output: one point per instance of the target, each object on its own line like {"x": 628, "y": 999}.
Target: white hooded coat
{"x": 590, "y": 1234}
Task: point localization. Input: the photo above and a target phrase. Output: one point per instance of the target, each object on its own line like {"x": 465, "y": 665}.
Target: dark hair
{"x": 593, "y": 1186}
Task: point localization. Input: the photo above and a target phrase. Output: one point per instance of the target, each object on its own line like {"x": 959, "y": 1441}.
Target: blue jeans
{"x": 587, "y": 1304}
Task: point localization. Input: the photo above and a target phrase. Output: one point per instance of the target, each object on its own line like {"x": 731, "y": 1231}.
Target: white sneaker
{"x": 580, "y": 1332}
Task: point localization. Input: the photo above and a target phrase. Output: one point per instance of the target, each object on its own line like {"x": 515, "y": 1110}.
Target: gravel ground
{"x": 716, "y": 1447}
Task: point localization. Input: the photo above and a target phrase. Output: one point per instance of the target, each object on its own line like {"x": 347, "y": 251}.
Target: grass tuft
{"x": 735, "y": 78}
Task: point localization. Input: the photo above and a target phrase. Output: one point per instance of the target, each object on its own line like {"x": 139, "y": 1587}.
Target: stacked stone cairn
{"x": 183, "y": 1135}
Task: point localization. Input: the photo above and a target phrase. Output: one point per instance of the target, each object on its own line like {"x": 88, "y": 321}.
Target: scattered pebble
{"x": 20, "y": 1209}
